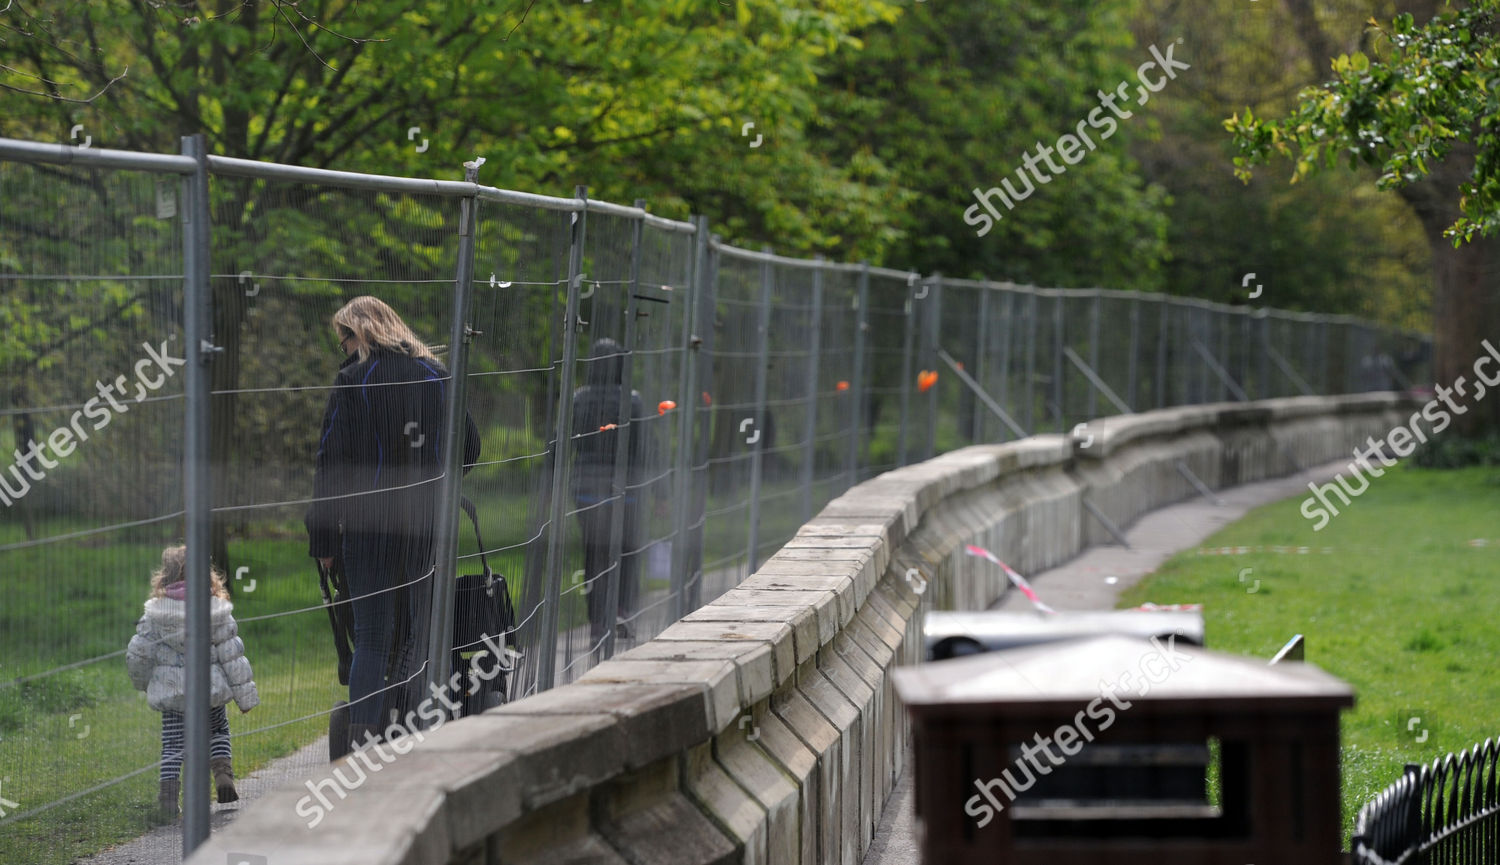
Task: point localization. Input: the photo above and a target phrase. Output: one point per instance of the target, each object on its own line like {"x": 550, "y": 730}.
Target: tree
{"x": 630, "y": 98}
{"x": 953, "y": 96}
{"x": 1330, "y": 244}
{"x": 1423, "y": 112}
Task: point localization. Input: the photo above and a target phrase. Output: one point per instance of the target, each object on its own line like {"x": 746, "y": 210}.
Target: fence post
{"x": 197, "y": 491}
{"x": 1351, "y": 362}
{"x": 1198, "y": 374}
{"x": 857, "y": 386}
{"x": 1059, "y": 395}
{"x": 1322, "y": 357}
{"x": 1244, "y": 350}
{"x": 1163, "y": 331}
{"x": 562, "y": 454}
{"x": 1135, "y": 348}
{"x": 624, "y": 434}
{"x": 757, "y": 443}
{"x": 1007, "y": 314}
{"x": 1266, "y": 390}
{"x": 705, "y": 306}
{"x": 1416, "y": 792}
{"x": 682, "y": 556}
{"x": 932, "y": 322}
{"x": 981, "y": 344}
{"x": 910, "y": 310}
{"x": 450, "y": 483}
{"x": 1222, "y": 319}
{"x": 1033, "y": 310}
{"x": 810, "y": 431}
{"x": 1094, "y": 352}
{"x": 1191, "y": 392}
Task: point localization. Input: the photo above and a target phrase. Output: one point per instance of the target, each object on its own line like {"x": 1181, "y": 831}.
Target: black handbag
{"x": 482, "y": 606}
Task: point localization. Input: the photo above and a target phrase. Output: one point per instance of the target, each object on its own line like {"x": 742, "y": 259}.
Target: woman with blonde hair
{"x": 378, "y": 465}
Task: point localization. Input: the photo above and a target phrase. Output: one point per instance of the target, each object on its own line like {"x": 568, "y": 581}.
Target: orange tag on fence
{"x": 665, "y": 406}
{"x": 843, "y": 385}
{"x": 607, "y": 426}
{"x": 926, "y": 379}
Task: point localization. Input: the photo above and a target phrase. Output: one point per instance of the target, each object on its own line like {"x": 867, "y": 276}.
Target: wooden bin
{"x": 979, "y": 724}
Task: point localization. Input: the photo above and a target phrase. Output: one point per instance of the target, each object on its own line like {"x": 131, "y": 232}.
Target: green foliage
{"x": 1453, "y": 452}
{"x": 1430, "y": 90}
{"x": 952, "y": 96}
{"x": 634, "y": 97}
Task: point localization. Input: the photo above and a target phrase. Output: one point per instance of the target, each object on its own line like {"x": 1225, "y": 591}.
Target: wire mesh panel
{"x": 662, "y": 307}
{"x": 735, "y": 425}
{"x": 1115, "y": 356}
{"x": 837, "y": 420}
{"x": 891, "y": 373}
{"x": 520, "y": 276}
{"x": 91, "y": 357}
{"x": 588, "y": 571}
{"x": 786, "y": 440}
{"x": 327, "y": 444}
{"x": 958, "y": 335}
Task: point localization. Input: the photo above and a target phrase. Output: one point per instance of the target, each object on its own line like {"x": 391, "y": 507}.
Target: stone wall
{"x": 763, "y": 728}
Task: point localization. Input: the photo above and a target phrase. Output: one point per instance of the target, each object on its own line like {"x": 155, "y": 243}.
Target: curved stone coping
{"x": 1117, "y": 431}
{"x": 763, "y": 727}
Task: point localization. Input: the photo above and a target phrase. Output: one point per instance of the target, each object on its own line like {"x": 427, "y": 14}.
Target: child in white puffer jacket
{"x": 157, "y": 663}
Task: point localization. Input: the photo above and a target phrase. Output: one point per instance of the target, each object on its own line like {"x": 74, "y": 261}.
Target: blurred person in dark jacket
{"x": 597, "y": 432}
{"x": 378, "y": 467}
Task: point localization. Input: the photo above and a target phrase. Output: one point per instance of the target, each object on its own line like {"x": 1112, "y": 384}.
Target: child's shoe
{"x": 166, "y": 800}
{"x": 224, "y": 780}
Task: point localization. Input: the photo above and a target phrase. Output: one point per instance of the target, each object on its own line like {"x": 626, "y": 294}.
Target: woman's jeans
{"x": 376, "y": 566}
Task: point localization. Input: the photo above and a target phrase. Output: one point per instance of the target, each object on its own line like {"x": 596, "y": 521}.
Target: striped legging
{"x": 172, "y": 735}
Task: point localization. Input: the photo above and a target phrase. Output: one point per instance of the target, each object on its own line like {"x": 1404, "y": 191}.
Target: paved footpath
{"x": 1084, "y": 583}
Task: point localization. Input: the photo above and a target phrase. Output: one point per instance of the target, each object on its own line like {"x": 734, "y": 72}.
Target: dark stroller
{"x": 483, "y": 616}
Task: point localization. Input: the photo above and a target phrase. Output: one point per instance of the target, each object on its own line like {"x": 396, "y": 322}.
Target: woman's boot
{"x": 166, "y": 800}
{"x": 224, "y": 780}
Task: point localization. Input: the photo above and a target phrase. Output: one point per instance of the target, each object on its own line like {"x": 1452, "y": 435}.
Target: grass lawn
{"x": 82, "y": 602}
{"x": 65, "y": 603}
{"x": 1403, "y": 608}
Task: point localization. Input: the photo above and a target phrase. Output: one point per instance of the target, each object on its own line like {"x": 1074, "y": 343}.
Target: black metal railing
{"x": 1447, "y": 813}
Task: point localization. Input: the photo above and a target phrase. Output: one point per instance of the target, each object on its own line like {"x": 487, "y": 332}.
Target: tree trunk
{"x": 1465, "y": 294}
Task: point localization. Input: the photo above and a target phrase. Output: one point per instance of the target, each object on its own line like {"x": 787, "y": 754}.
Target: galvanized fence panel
{"x": 287, "y": 253}
{"x": 889, "y": 372}
{"x": 91, "y": 356}
{"x": 520, "y": 283}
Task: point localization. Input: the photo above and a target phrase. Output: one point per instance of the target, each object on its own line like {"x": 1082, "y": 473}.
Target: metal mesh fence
{"x": 656, "y": 414}
{"x": 91, "y": 293}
